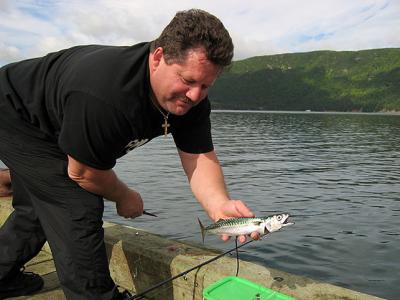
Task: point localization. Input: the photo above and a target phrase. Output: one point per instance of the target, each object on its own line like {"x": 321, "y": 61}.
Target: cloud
{"x": 362, "y": 27}
{"x": 4, "y": 5}
{"x": 9, "y": 53}
{"x": 32, "y": 28}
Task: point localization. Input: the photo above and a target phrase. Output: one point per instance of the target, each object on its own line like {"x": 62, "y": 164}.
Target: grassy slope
{"x": 367, "y": 80}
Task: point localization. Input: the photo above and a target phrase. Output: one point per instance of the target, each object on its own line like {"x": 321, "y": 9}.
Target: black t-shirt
{"x": 94, "y": 101}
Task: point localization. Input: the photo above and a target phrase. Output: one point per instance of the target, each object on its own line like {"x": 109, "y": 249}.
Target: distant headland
{"x": 364, "y": 81}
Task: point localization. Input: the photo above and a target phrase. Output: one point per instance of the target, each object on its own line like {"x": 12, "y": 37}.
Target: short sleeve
{"x": 193, "y": 134}
{"x": 92, "y": 131}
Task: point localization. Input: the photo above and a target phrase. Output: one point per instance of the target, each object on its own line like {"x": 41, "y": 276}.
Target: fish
{"x": 245, "y": 226}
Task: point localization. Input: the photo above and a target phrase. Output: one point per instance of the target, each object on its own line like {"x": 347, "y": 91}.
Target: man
{"x": 71, "y": 114}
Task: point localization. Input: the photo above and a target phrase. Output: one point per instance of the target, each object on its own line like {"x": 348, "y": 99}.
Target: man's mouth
{"x": 186, "y": 101}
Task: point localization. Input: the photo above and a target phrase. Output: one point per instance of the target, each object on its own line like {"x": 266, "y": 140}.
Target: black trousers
{"x": 50, "y": 206}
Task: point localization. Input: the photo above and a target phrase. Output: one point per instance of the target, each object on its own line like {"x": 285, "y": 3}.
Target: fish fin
{"x": 268, "y": 228}
{"x": 203, "y": 231}
{"x": 220, "y": 220}
{"x": 257, "y": 223}
{"x": 266, "y": 231}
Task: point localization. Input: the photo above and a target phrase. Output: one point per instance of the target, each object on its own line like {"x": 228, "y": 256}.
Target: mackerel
{"x": 245, "y": 226}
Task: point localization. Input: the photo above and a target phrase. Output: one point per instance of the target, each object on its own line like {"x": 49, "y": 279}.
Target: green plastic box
{"x": 236, "y": 288}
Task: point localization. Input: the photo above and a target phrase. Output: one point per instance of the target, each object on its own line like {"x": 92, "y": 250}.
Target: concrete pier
{"x": 139, "y": 260}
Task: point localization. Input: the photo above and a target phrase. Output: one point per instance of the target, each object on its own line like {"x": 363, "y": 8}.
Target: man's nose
{"x": 195, "y": 94}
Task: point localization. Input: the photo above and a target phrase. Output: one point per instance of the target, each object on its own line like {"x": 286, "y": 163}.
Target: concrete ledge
{"x": 139, "y": 260}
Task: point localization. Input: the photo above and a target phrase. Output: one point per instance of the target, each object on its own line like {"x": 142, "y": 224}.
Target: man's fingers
{"x": 225, "y": 237}
{"x": 255, "y": 236}
{"x": 241, "y": 238}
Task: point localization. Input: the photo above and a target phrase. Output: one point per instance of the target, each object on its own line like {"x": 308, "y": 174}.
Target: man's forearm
{"x": 208, "y": 185}
{"x": 206, "y": 180}
{"x": 129, "y": 203}
{"x": 100, "y": 182}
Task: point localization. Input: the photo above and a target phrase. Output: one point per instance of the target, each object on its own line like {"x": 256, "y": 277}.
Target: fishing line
{"x": 141, "y": 294}
{"x": 237, "y": 257}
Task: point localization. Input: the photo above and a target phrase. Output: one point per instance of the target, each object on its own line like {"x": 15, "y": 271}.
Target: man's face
{"x": 180, "y": 86}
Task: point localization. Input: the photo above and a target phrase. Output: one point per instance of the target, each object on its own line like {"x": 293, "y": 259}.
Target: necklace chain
{"x": 165, "y": 125}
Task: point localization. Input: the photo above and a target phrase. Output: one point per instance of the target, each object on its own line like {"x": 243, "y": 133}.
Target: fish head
{"x": 276, "y": 222}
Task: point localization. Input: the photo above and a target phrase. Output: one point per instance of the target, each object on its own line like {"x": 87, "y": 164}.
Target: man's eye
{"x": 188, "y": 81}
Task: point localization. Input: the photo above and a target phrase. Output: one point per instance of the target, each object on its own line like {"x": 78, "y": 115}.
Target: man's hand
{"x": 131, "y": 205}
{"x": 234, "y": 209}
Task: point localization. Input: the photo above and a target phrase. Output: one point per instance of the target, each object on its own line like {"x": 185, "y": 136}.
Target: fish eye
{"x": 279, "y": 217}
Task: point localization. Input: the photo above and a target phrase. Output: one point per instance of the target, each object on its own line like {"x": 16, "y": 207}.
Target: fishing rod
{"x": 141, "y": 294}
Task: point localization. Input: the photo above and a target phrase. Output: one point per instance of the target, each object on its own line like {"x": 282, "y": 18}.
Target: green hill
{"x": 367, "y": 80}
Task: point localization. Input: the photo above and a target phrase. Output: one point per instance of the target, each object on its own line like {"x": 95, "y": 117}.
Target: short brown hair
{"x": 195, "y": 28}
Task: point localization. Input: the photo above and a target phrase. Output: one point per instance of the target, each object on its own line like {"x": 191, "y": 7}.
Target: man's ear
{"x": 158, "y": 55}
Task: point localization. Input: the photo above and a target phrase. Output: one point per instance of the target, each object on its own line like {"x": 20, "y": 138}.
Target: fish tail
{"x": 203, "y": 231}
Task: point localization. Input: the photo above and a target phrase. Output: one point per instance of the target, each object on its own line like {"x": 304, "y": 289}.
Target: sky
{"x": 31, "y": 28}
